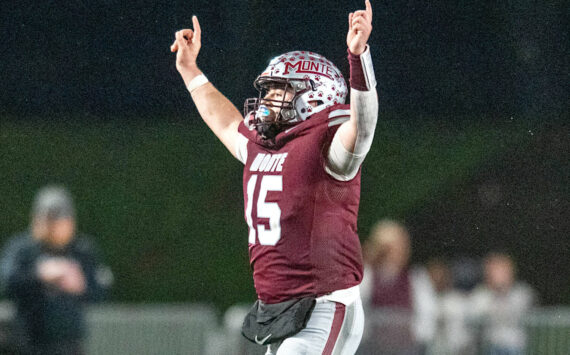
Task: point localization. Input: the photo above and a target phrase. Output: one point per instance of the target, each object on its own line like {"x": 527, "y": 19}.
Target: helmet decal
{"x": 316, "y": 82}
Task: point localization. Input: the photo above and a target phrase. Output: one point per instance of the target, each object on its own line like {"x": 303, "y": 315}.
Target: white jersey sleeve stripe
{"x": 337, "y": 113}
{"x": 339, "y": 120}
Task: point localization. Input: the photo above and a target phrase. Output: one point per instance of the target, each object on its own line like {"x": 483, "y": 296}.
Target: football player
{"x": 302, "y": 149}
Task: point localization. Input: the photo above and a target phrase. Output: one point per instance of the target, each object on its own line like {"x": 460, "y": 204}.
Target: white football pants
{"x": 333, "y": 329}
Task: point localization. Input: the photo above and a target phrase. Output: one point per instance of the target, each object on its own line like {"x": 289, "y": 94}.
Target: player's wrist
{"x": 357, "y": 50}
{"x": 193, "y": 77}
{"x": 361, "y": 70}
{"x": 196, "y": 82}
{"x": 188, "y": 70}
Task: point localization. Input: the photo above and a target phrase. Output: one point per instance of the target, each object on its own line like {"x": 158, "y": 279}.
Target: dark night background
{"x": 471, "y": 150}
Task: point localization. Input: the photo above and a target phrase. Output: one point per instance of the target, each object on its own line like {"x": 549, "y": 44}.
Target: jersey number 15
{"x": 265, "y": 209}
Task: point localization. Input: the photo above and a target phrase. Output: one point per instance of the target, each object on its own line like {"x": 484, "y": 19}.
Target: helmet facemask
{"x": 271, "y": 116}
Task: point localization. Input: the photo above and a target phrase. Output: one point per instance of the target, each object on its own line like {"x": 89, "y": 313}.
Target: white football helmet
{"x": 316, "y": 83}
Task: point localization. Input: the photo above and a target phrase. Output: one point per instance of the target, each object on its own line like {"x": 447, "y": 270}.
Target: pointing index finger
{"x": 369, "y": 8}
{"x": 197, "y": 30}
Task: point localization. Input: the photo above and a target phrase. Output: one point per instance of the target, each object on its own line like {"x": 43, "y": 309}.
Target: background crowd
{"x": 464, "y": 305}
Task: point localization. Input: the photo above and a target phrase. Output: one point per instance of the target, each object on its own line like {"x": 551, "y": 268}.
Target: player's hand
{"x": 359, "y": 28}
{"x": 187, "y": 46}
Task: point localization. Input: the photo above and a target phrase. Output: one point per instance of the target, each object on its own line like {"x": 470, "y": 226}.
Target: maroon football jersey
{"x": 302, "y": 222}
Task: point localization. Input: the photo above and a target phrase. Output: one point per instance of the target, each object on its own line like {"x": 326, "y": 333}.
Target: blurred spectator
{"x": 440, "y": 275}
{"x": 500, "y": 304}
{"x": 50, "y": 272}
{"x": 400, "y": 300}
{"x": 453, "y": 285}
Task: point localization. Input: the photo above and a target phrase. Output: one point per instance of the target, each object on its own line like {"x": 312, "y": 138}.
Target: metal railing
{"x": 137, "y": 329}
{"x": 149, "y": 329}
{"x": 548, "y": 331}
{"x": 196, "y": 329}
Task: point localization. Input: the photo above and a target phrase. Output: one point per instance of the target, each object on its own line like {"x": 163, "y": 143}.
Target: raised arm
{"x": 353, "y": 139}
{"x": 216, "y": 110}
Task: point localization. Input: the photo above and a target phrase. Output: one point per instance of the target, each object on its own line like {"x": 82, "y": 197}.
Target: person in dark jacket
{"x": 50, "y": 272}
